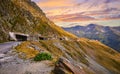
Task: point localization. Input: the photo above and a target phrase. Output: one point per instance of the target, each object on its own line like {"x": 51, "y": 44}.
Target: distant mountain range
{"x": 107, "y": 35}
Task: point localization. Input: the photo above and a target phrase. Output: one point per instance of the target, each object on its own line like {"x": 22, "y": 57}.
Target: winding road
{"x": 5, "y": 47}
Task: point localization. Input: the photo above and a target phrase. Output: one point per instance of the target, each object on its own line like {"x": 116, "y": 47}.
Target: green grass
{"x": 43, "y": 56}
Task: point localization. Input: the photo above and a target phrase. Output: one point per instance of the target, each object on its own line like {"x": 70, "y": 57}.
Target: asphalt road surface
{"x": 5, "y": 47}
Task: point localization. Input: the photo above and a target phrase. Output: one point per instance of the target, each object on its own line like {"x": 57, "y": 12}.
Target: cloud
{"x": 80, "y": 10}
{"x": 88, "y": 16}
{"x": 71, "y": 18}
{"x": 55, "y": 7}
{"x": 55, "y": 3}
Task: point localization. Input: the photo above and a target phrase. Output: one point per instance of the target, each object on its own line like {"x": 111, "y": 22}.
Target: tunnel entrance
{"x": 21, "y": 37}
{"x": 13, "y": 36}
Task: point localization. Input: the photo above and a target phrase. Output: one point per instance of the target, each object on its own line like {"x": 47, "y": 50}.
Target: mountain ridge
{"x": 107, "y": 35}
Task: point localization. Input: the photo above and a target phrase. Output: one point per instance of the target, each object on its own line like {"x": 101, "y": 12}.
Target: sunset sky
{"x": 81, "y": 12}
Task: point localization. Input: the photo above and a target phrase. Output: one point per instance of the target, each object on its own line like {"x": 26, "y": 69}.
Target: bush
{"x": 43, "y": 56}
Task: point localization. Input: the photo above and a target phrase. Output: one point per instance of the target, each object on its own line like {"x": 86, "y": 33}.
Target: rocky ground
{"x": 68, "y": 57}
{"x": 11, "y": 64}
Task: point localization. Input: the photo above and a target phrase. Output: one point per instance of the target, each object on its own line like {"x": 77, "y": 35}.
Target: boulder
{"x": 64, "y": 66}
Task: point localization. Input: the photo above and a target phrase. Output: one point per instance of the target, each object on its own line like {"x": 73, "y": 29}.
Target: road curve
{"x": 5, "y": 47}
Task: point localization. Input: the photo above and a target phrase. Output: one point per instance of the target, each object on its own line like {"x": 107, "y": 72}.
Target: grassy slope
{"x": 79, "y": 50}
{"x": 104, "y": 55}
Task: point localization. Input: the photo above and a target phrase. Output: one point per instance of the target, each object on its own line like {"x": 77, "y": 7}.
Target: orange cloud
{"x": 55, "y": 3}
{"x": 55, "y": 7}
{"x": 71, "y": 18}
{"x": 79, "y": 10}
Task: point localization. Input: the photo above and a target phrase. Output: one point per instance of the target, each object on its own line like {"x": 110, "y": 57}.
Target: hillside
{"x": 67, "y": 56}
{"x": 107, "y": 35}
{"x": 25, "y": 16}
{"x": 87, "y": 56}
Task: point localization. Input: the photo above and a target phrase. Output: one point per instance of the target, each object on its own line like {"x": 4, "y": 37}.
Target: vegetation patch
{"x": 24, "y": 48}
{"x": 43, "y": 56}
{"x": 49, "y": 46}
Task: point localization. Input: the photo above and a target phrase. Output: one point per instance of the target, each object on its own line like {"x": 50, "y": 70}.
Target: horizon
{"x": 86, "y": 25}
{"x": 83, "y": 12}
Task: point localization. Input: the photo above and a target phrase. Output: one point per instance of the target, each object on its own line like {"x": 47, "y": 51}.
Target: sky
{"x": 67, "y": 13}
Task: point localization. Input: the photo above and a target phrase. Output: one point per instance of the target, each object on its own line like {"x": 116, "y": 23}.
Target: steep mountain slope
{"x": 107, "y": 35}
{"x": 88, "y": 56}
{"x": 26, "y": 17}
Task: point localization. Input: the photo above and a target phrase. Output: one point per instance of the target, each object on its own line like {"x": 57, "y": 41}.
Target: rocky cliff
{"x": 25, "y": 16}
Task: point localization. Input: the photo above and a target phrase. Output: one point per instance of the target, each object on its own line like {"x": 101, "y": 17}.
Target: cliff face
{"x": 26, "y": 17}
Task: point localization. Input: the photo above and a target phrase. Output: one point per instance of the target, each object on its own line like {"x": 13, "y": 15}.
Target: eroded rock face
{"x": 64, "y": 66}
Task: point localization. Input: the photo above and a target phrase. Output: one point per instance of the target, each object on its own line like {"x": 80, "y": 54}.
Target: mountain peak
{"x": 91, "y": 25}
